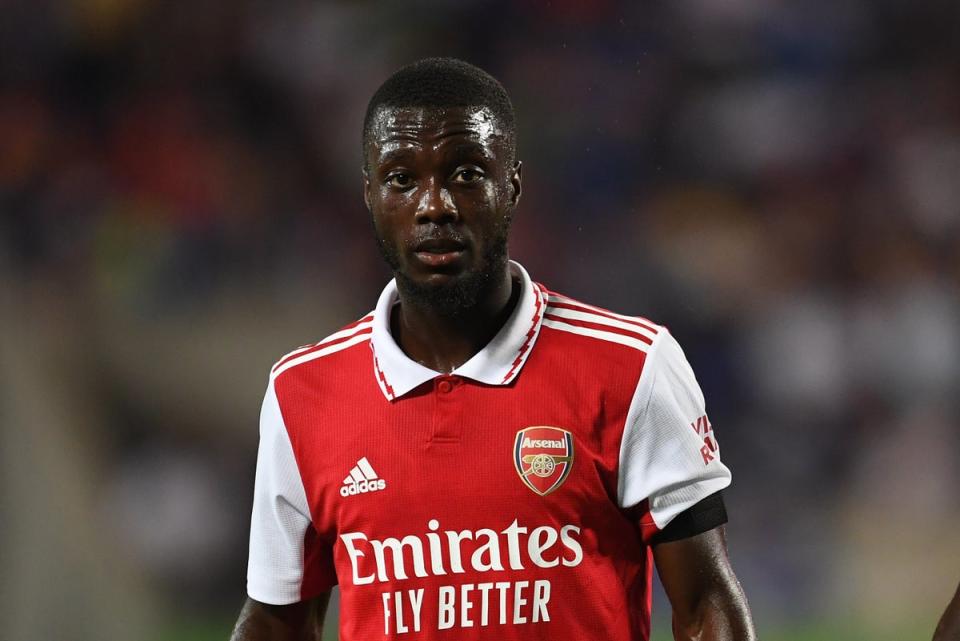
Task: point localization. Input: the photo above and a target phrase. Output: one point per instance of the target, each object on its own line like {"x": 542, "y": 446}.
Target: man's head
{"x": 440, "y": 83}
{"x": 441, "y": 180}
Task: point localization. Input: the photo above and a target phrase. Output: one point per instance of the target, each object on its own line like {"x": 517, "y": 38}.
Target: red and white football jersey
{"x": 513, "y": 498}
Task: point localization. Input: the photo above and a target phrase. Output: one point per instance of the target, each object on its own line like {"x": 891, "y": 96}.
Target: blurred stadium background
{"x": 777, "y": 182}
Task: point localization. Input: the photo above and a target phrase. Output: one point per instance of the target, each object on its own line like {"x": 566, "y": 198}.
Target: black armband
{"x": 700, "y": 517}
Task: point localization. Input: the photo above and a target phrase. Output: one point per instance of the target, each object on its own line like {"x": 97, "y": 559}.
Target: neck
{"x": 442, "y": 341}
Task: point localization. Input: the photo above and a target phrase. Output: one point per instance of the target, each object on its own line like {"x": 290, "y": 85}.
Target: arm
{"x": 295, "y": 622}
{"x": 708, "y": 603}
{"x": 949, "y": 627}
{"x": 283, "y": 545}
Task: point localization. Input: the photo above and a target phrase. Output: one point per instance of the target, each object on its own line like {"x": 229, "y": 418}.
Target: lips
{"x": 438, "y": 246}
{"x": 439, "y": 252}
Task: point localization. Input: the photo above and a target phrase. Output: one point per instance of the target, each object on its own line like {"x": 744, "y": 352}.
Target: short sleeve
{"x": 280, "y": 527}
{"x": 669, "y": 457}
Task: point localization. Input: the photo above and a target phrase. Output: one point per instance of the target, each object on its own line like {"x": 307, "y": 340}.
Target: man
{"x": 479, "y": 457}
{"x": 949, "y": 627}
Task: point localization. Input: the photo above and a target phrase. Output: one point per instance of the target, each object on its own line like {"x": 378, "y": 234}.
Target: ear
{"x": 366, "y": 188}
{"x": 516, "y": 183}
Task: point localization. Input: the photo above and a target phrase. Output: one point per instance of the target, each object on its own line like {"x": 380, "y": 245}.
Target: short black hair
{"x": 442, "y": 83}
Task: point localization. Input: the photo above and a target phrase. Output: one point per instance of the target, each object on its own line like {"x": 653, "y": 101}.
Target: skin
{"x": 707, "y": 600}
{"x": 444, "y": 174}
{"x": 296, "y": 622}
{"x": 448, "y": 177}
{"x": 949, "y": 627}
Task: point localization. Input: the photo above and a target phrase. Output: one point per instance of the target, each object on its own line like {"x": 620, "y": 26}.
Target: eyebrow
{"x": 399, "y": 154}
{"x": 395, "y": 155}
{"x": 468, "y": 149}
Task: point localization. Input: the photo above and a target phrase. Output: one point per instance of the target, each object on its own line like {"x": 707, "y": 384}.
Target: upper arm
{"x": 287, "y": 562}
{"x": 300, "y": 621}
{"x": 704, "y": 593}
{"x": 669, "y": 457}
{"x": 691, "y": 568}
{"x": 949, "y": 627}
{"x": 670, "y": 474}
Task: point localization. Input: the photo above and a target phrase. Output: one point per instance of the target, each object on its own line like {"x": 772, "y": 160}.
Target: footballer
{"x": 481, "y": 457}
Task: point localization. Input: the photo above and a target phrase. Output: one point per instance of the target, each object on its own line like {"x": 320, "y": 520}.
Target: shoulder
{"x": 598, "y": 327}
{"x": 342, "y": 342}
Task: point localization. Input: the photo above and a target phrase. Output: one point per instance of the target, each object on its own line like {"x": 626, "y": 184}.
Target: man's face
{"x": 441, "y": 188}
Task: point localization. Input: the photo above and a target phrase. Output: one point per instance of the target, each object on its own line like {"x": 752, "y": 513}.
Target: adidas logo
{"x": 362, "y": 479}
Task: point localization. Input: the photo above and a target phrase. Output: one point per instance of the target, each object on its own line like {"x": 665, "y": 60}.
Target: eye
{"x": 399, "y": 180}
{"x": 467, "y": 175}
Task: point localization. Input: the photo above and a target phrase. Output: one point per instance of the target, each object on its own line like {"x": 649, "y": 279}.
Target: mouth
{"x": 439, "y": 252}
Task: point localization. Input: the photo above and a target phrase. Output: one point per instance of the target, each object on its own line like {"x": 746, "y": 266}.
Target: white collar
{"x": 496, "y": 364}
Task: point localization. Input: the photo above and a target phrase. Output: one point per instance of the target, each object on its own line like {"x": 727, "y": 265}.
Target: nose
{"x": 436, "y": 204}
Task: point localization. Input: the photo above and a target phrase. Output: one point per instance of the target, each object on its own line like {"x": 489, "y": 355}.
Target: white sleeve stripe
{"x": 558, "y": 298}
{"x": 363, "y": 336}
{"x": 610, "y": 337}
{"x": 363, "y": 323}
{"x": 601, "y": 320}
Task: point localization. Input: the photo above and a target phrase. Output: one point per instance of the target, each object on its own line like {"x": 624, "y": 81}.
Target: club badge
{"x": 543, "y": 457}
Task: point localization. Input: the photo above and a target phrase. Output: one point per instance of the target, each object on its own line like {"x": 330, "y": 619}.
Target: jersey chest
{"x": 464, "y": 454}
{"x": 463, "y": 505}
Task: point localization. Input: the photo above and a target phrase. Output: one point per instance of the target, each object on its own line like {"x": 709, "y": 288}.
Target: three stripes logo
{"x": 362, "y": 479}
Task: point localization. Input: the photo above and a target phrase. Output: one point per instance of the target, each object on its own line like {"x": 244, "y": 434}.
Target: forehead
{"x": 398, "y": 127}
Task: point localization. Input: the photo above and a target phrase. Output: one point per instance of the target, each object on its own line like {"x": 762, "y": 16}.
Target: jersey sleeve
{"x": 669, "y": 457}
{"x": 281, "y": 526}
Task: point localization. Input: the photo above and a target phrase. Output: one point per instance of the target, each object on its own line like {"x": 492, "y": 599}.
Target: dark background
{"x": 180, "y": 204}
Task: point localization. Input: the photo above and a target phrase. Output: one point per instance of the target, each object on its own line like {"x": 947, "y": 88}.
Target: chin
{"x": 447, "y": 294}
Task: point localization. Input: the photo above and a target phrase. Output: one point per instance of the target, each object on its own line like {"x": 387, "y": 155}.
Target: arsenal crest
{"x": 543, "y": 457}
